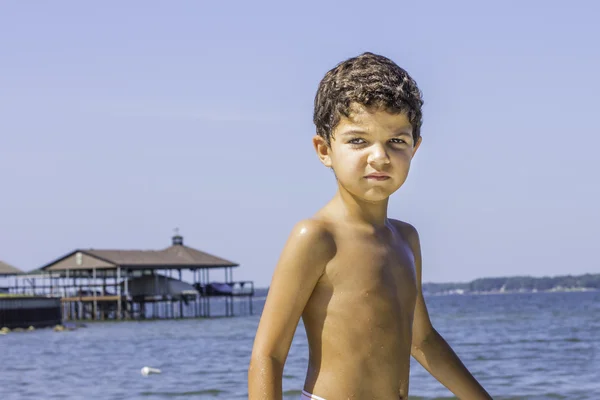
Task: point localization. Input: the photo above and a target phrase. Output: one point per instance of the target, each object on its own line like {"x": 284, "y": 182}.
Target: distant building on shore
{"x": 138, "y": 284}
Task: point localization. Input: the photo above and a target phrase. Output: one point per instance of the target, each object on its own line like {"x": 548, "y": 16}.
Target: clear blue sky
{"x": 120, "y": 121}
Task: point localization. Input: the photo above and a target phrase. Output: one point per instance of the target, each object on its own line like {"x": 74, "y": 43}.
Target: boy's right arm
{"x": 302, "y": 262}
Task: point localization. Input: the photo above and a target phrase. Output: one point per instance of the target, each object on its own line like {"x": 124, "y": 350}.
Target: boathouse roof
{"x": 176, "y": 256}
{"x": 6, "y": 269}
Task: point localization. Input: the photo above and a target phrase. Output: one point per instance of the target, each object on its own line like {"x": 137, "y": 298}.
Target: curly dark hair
{"x": 370, "y": 80}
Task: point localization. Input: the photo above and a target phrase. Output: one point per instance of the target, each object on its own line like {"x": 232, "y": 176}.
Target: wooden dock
{"x": 138, "y": 284}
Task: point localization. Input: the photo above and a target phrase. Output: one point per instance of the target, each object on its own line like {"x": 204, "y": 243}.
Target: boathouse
{"x": 141, "y": 284}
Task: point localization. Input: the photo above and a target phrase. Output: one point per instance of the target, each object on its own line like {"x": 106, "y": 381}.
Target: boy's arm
{"x": 431, "y": 350}
{"x": 301, "y": 264}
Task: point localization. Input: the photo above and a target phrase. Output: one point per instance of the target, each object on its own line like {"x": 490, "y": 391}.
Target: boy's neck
{"x": 361, "y": 212}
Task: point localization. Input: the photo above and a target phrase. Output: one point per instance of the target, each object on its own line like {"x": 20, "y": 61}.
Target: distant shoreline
{"x": 518, "y": 284}
{"x": 466, "y": 293}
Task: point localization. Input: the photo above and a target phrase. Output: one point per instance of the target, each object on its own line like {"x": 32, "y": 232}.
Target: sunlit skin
{"x": 354, "y": 276}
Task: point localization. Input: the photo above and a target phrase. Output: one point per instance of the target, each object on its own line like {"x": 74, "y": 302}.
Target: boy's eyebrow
{"x": 361, "y": 132}
{"x": 354, "y": 132}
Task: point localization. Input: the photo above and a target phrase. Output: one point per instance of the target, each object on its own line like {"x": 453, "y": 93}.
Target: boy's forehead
{"x": 360, "y": 115}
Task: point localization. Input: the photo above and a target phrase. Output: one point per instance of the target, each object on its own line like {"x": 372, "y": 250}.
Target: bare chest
{"x": 382, "y": 269}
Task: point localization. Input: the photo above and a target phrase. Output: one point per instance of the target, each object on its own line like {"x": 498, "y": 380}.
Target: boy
{"x": 350, "y": 272}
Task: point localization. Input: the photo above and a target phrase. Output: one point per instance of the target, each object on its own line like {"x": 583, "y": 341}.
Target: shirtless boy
{"x": 350, "y": 272}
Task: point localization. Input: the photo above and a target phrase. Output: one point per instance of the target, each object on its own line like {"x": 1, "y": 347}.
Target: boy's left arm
{"x": 431, "y": 350}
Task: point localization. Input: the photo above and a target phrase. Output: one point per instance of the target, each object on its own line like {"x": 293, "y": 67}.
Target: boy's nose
{"x": 378, "y": 156}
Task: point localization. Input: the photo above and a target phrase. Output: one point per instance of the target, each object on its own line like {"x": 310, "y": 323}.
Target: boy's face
{"x": 370, "y": 152}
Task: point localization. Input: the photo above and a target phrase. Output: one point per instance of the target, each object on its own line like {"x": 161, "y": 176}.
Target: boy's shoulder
{"x": 408, "y": 231}
{"x": 309, "y": 248}
{"x": 313, "y": 232}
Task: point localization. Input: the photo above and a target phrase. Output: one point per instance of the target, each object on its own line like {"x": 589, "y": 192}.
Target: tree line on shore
{"x": 517, "y": 284}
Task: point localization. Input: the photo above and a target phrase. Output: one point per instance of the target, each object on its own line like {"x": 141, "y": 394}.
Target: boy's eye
{"x": 356, "y": 141}
{"x": 397, "y": 140}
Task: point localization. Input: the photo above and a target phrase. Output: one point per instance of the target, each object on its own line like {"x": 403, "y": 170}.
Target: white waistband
{"x": 308, "y": 396}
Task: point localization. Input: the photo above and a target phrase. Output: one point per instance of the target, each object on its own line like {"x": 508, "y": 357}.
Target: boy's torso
{"x": 359, "y": 317}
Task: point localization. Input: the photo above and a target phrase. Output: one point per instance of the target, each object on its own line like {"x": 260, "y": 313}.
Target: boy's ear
{"x": 416, "y": 147}
{"x": 323, "y": 150}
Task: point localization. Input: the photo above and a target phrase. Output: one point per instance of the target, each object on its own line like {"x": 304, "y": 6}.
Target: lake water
{"x": 520, "y": 346}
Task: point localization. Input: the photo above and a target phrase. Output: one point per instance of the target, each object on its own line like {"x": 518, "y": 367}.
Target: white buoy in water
{"x": 147, "y": 371}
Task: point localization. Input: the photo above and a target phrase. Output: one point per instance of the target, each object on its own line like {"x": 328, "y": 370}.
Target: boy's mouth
{"x": 378, "y": 176}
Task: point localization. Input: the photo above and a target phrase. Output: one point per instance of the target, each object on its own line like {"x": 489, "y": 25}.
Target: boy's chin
{"x": 369, "y": 194}
{"x": 373, "y": 195}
